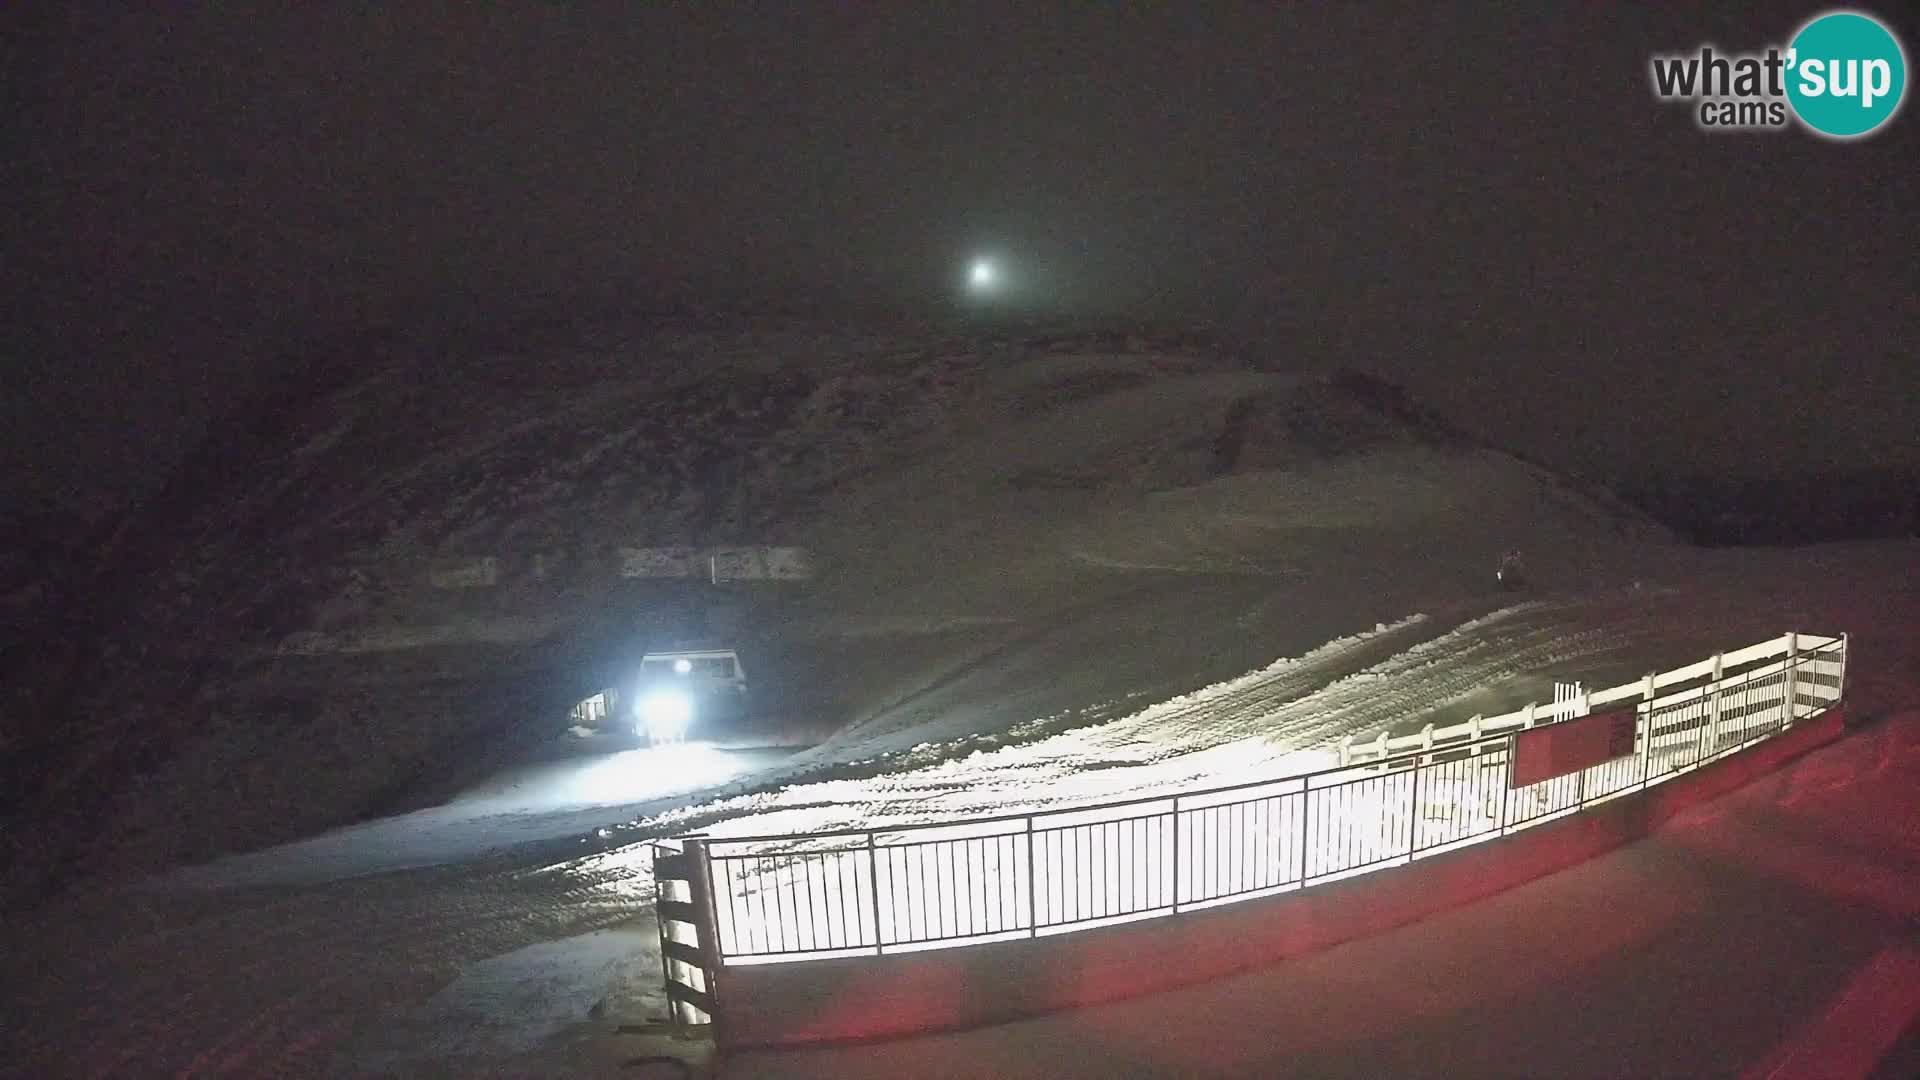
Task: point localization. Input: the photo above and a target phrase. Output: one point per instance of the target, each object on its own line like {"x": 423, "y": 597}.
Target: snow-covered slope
{"x": 515, "y": 964}
{"x": 1008, "y": 526}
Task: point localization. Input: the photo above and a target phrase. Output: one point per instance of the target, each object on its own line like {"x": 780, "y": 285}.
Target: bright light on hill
{"x": 983, "y": 276}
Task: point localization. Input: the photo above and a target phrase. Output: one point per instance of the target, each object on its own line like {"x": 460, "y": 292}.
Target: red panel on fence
{"x": 1543, "y": 753}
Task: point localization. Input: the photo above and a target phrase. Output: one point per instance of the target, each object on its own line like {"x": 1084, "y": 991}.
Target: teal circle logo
{"x": 1846, "y": 74}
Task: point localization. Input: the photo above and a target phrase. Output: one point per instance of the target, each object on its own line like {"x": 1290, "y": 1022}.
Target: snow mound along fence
{"x": 843, "y": 896}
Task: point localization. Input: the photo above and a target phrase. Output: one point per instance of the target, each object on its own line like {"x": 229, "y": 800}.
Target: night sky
{"x": 1494, "y": 210}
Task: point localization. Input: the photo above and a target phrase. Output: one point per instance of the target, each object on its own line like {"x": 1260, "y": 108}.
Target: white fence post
{"x": 1846, "y": 648}
{"x": 873, "y": 867}
{"x": 1033, "y": 883}
{"x": 1646, "y": 733}
{"x": 1712, "y": 731}
{"x": 1793, "y": 657}
{"x": 1346, "y": 749}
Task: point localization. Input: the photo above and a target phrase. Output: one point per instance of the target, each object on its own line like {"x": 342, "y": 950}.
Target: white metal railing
{"x": 1712, "y": 669}
{"x": 1394, "y": 800}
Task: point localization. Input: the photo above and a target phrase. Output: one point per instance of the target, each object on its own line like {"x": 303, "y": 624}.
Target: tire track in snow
{"x": 853, "y": 782}
{"x": 1286, "y": 677}
{"x": 1246, "y": 729}
{"x": 1260, "y": 733}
